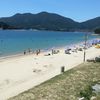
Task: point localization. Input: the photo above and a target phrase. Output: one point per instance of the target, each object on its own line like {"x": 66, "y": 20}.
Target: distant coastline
{"x": 13, "y": 29}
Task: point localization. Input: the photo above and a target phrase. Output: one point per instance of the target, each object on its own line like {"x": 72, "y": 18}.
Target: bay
{"x": 16, "y": 41}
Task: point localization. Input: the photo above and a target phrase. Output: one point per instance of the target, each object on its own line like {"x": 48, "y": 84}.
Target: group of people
{"x": 29, "y": 51}
{"x": 55, "y": 51}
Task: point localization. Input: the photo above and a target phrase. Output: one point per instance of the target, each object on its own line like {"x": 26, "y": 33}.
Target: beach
{"x": 20, "y": 73}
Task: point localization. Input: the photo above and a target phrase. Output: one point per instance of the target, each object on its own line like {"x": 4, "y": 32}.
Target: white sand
{"x": 21, "y": 73}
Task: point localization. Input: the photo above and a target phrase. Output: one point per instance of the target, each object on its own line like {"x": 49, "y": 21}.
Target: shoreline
{"x": 18, "y": 74}
{"x": 43, "y": 50}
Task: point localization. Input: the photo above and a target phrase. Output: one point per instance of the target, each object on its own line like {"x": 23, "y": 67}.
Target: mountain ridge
{"x": 48, "y": 21}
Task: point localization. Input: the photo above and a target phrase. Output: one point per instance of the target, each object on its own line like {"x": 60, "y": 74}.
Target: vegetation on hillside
{"x": 3, "y": 25}
{"x": 49, "y": 21}
{"x": 97, "y": 31}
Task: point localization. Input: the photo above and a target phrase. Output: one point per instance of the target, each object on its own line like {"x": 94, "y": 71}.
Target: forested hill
{"x": 91, "y": 24}
{"x": 3, "y": 25}
{"x": 48, "y": 21}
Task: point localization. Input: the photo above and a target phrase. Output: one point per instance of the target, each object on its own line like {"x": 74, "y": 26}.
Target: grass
{"x": 67, "y": 86}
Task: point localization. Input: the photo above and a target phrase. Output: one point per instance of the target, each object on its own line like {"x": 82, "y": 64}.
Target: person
{"x": 37, "y": 52}
{"x": 24, "y": 52}
{"x": 52, "y": 51}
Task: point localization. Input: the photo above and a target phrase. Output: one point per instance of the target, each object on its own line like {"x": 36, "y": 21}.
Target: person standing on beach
{"x": 52, "y": 51}
{"x": 24, "y": 52}
{"x": 38, "y": 52}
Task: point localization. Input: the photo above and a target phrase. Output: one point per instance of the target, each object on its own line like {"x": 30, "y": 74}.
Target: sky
{"x": 78, "y": 10}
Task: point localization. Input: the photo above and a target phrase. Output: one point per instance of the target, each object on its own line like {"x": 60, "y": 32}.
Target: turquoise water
{"x": 13, "y": 41}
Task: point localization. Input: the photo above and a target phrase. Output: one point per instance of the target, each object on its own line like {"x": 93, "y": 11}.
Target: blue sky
{"x": 79, "y": 10}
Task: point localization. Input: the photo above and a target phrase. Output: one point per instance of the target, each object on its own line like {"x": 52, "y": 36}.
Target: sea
{"x": 16, "y": 41}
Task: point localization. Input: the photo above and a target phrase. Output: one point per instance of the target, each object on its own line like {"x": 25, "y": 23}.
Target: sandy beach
{"x": 18, "y": 74}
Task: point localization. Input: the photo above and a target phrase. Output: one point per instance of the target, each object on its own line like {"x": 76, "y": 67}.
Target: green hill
{"x": 3, "y": 25}
{"x": 49, "y": 21}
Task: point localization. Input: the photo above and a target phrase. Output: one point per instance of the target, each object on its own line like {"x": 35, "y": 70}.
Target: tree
{"x": 4, "y": 25}
{"x": 97, "y": 31}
